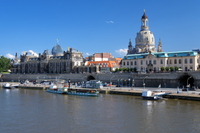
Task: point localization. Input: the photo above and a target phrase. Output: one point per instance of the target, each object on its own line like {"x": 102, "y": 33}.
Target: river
{"x": 26, "y": 110}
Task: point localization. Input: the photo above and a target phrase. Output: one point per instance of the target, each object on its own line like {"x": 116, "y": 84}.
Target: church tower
{"x": 144, "y": 22}
{"x": 145, "y": 39}
{"x": 130, "y": 48}
{"x": 160, "y": 46}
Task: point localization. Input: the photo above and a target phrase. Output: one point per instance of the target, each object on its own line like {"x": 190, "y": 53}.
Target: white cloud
{"x": 121, "y": 51}
{"x": 88, "y": 54}
{"x": 109, "y": 22}
{"x": 31, "y": 51}
{"x": 10, "y": 56}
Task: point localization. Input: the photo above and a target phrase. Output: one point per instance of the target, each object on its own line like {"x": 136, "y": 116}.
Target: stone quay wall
{"x": 151, "y": 80}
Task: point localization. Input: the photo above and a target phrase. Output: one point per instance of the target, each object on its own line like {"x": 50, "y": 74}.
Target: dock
{"x": 195, "y": 95}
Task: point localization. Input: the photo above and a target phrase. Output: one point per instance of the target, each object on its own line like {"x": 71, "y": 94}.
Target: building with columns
{"x": 145, "y": 57}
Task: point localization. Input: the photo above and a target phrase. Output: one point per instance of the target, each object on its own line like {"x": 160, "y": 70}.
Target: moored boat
{"x": 83, "y": 92}
{"x": 155, "y": 95}
{"x": 55, "y": 89}
{"x": 8, "y": 86}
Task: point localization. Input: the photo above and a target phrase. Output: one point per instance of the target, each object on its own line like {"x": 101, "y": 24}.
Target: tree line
{"x": 5, "y": 64}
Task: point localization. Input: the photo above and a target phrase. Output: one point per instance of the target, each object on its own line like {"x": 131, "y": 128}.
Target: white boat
{"x": 8, "y": 86}
{"x": 155, "y": 95}
{"x": 55, "y": 89}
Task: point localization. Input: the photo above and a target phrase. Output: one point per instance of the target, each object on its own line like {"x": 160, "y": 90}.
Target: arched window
{"x": 161, "y": 61}
{"x": 179, "y": 61}
{"x": 191, "y": 61}
{"x": 149, "y": 61}
{"x": 170, "y": 61}
{"x": 154, "y": 62}
{"x": 185, "y": 61}
{"x": 175, "y": 61}
{"x": 131, "y": 63}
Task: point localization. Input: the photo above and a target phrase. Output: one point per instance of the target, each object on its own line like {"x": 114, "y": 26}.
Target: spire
{"x": 144, "y": 22}
{"x": 57, "y": 41}
{"x": 130, "y": 43}
{"x": 160, "y": 46}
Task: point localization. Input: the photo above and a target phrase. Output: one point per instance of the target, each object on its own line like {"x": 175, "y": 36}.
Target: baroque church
{"x": 144, "y": 42}
{"x": 145, "y": 57}
{"x": 55, "y": 61}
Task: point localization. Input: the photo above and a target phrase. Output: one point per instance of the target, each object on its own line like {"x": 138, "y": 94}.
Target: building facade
{"x": 56, "y": 61}
{"x": 145, "y": 57}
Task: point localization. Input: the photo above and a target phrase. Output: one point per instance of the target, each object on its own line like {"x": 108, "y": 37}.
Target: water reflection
{"x": 39, "y": 111}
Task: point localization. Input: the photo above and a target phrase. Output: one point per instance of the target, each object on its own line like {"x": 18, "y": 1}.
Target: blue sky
{"x": 95, "y": 26}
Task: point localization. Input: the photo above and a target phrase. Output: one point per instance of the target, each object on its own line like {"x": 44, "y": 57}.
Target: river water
{"x": 25, "y": 110}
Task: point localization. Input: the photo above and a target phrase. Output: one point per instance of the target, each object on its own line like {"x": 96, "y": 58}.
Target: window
{"x": 154, "y": 62}
{"x": 185, "y": 61}
{"x": 190, "y": 61}
{"x": 197, "y": 61}
{"x": 146, "y": 62}
{"x": 127, "y": 63}
{"x": 179, "y": 61}
{"x": 175, "y": 61}
{"x": 124, "y": 63}
{"x": 161, "y": 61}
{"x": 131, "y": 63}
{"x": 167, "y": 61}
{"x": 154, "y": 68}
{"x": 170, "y": 61}
{"x": 149, "y": 61}
{"x": 135, "y": 62}
{"x": 141, "y": 62}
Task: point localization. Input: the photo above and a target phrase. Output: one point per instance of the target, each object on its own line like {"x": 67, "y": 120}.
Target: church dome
{"x": 47, "y": 52}
{"x": 57, "y": 50}
{"x": 144, "y": 37}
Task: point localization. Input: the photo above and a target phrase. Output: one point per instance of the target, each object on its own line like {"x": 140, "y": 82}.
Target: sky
{"x": 96, "y": 26}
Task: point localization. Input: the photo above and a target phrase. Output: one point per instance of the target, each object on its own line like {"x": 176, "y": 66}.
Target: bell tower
{"x": 144, "y": 22}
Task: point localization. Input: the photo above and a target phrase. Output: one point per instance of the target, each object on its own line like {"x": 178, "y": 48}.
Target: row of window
{"x": 98, "y": 63}
{"x": 161, "y": 62}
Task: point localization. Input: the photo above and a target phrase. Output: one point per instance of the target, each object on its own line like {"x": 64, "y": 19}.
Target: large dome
{"x": 144, "y": 37}
{"x": 57, "y": 50}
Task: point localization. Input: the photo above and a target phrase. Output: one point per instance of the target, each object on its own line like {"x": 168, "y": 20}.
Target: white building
{"x": 145, "y": 57}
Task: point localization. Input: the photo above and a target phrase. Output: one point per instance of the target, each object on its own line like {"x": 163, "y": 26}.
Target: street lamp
{"x": 143, "y": 82}
{"x": 69, "y": 82}
{"x": 110, "y": 81}
{"x": 188, "y": 80}
{"x": 133, "y": 83}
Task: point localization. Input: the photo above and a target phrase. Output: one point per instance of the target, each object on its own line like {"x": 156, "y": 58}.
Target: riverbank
{"x": 184, "y": 95}
{"x": 173, "y": 95}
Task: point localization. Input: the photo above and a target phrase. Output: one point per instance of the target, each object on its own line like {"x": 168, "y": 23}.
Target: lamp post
{"x": 143, "y": 82}
{"x": 118, "y": 82}
{"x": 188, "y": 80}
{"x": 110, "y": 81}
{"x": 69, "y": 82}
{"x": 133, "y": 83}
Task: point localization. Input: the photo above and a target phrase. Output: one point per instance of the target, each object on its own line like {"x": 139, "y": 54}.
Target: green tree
{"x": 5, "y": 64}
{"x": 135, "y": 69}
{"x": 127, "y": 69}
{"x": 131, "y": 69}
{"x": 162, "y": 69}
{"x": 120, "y": 69}
{"x": 124, "y": 69}
{"x": 176, "y": 68}
{"x": 116, "y": 70}
{"x": 167, "y": 69}
{"x": 171, "y": 69}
